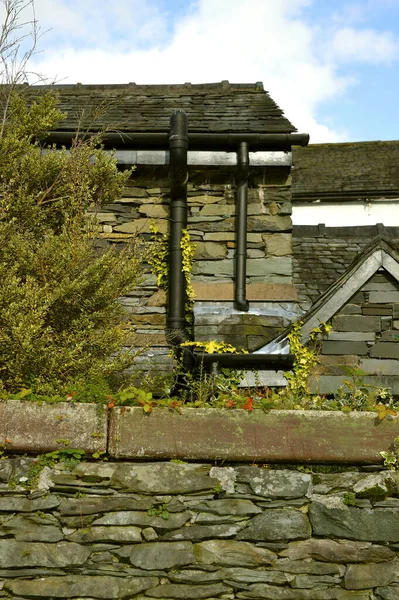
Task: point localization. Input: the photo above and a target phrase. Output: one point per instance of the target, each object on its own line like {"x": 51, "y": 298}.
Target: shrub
{"x": 60, "y": 319}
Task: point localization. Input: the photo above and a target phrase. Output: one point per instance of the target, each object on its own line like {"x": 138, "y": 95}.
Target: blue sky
{"x": 332, "y": 65}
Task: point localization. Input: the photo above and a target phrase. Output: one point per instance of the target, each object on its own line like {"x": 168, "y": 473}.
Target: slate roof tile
{"x": 220, "y": 107}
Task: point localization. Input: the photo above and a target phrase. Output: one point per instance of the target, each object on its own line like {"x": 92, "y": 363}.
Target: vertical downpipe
{"x": 178, "y": 176}
{"x": 240, "y": 300}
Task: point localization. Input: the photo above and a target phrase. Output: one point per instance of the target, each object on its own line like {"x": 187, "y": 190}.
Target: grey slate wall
{"x": 321, "y": 254}
{"x": 365, "y": 335}
{"x": 176, "y": 531}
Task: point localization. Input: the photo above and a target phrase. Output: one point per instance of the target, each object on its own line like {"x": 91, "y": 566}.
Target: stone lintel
{"x": 255, "y": 291}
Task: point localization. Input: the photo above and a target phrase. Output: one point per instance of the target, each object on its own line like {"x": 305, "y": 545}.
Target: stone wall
{"x": 321, "y": 254}
{"x": 211, "y": 222}
{"x": 364, "y": 336}
{"x": 176, "y": 531}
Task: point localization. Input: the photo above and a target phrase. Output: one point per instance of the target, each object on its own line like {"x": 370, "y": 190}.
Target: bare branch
{"x": 19, "y": 37}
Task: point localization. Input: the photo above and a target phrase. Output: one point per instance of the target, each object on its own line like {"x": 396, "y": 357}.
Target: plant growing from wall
{"x": 391, "y": 458}
{"x": 306, "y": 357}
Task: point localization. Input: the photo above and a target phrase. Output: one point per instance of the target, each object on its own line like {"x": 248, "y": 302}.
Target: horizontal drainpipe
{"x": 176, "y": 319}
{"x": 243, "y": 361}
{"x": 198, "y": 141}
{"x": 240, "y": 300}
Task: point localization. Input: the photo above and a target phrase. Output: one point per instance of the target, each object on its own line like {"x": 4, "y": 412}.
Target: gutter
{"x": 197, "y": 141}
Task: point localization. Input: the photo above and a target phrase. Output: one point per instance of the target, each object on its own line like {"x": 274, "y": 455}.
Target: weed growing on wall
{"x": 306, "y": 357}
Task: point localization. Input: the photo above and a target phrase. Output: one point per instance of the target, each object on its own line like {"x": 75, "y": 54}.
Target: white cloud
{"x": 257, "y": 40}
{"x": 365, "y": 45}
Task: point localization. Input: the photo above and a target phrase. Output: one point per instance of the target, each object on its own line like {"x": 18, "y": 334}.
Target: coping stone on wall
{"x": 33, "y": 427}
{"x": 208, "y": 434}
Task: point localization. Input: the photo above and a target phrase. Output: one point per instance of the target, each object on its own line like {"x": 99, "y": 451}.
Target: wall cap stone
{"x": 237, "y": 435}
{"x": 35, "y": 427}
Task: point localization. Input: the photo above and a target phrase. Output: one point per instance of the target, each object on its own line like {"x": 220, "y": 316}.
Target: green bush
{"x": 60, "y": 320}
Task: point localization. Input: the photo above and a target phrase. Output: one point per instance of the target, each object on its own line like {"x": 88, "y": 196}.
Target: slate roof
{"x": 214, "y": 107}
{"x": 349, "y": 171}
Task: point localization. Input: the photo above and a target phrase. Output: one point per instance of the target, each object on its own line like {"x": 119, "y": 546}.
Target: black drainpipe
{"x": 240, "y": 300}
{"x": 176, "y": 320}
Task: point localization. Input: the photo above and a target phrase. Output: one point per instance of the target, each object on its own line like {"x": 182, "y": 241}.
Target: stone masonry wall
{"x": 321, "y": 254}
{"x": 174, "y": 531}
{"x": 364, "y": 336}
{"x": 211, "y": 222}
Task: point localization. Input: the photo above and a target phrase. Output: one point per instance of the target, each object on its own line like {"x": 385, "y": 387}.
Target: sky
{"x": 332, "y": 65}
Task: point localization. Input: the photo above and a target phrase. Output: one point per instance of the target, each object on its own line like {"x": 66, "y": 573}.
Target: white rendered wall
{"x": 347, "y": 215}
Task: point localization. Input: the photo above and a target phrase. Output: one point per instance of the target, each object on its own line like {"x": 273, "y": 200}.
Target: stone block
{"x": 134, "y": 192}
{"x": 223, "y": 210}
{"x": 142, "y": 226}
{"x": 104, "y": 587}
{"x": 220, "y": 268}
{"x": 390, "y": 336}
{"x": 383, "y": 297}
{"x": 330, "y": 517}
{"x": 232, "y": 553}
{"x": 375, "y": 309}
{"x": 351, "y": 309}
{"x": 35, "y": 554}
{"x": 163, "y": 555}
{"x": 255, "y": 291}
{"x": 274, "y": 484}
{"x": 345, "y": 347}
{"x": 223, "y": 236}
{"x": 210, "y": 251}
{"x": 338, "y": 551}
{"x": 182, "y": 591}
{"x": 359, "y": 577}
{"x": 374, "y": 366}
{"x": 203, "y": 199}
{"x": 278, "y": 244}
{"x": 356, "y": 323}
{"x": 154, "y": 211}
{"x": 157, "y": 299}
{"x": 275, "y": 524}
{"x": 267, "y": 266}
{"x": 141, "y": 340}
{"x": 42, "y": 427}
{"x": 269, "y": 223}
{"x": 285, "y": 209}
{"x": 351, "y": 336}
{"x": 330, "y": 364}
{"x": 385, "y": 350}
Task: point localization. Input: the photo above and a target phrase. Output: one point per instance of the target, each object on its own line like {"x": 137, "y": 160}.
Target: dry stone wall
{"x": 211, "y": 222}
{"x": 175, "y": 531}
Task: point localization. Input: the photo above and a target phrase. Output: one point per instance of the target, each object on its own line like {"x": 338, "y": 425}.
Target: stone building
{"x": 250, "y": 282}
{"x": 348, "y": 274}
{"x": 239, "y": 159}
